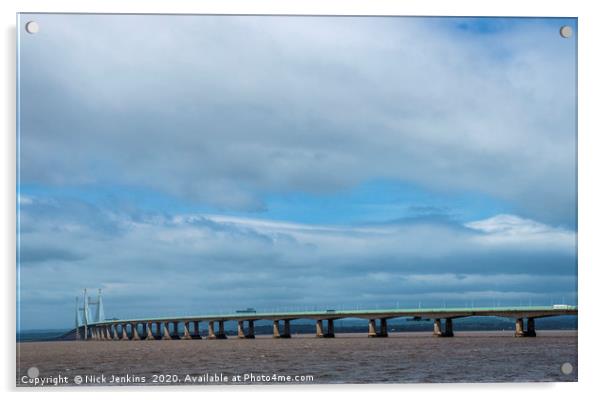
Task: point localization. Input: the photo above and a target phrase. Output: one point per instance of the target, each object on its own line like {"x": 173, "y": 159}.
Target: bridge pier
{"x": 115, "y": 332}
{"x": 286, "y": 334}
{"x": 384, "y": 332}
{"x": 519, "y": 328}
{"x": 175, "y": 332}
{"x": 196, "y": 334}
{"x": 250, "y": 327}
{"x": 241, "y": 330}
{"x": 186, "y": 332}
{"x": 166, "y": 335}
{"x": 437, "y": 327}
{"x": 372, "y": 328}
{"x": 330, "y": 332}
{"x": 149, "y": 331}
{"x": 287, "y": 329}
{"x": 134, "y": 327}
{"x": 157, "y": 334}
{"x": 531, "y": 328}
{"x": 449, "y": 328}
{"x": 211, "y": 330}
{"x": 221, "y": 333}
{"x": 320, "y": 329}
{"x": 124, "y": 332}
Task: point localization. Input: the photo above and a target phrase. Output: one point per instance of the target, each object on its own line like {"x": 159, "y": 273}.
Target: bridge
{"x": 168, "y": 328}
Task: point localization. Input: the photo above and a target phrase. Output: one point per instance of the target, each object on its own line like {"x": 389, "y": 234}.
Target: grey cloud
{"x": 42, "y": 254}
{"x": 220, "y": 110}
{"x": 200, "y": 263}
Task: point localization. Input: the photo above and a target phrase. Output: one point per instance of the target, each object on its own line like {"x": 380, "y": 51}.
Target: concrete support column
{"x": 92, "y": 334}
{"x": 221, "y": 333}
{"x": 134, "y": 327}
{"x": 372, "y": 328}
{"x": 115, "y": 332}
{"x": 519, "y": 328}
{"x": 149, "y": 331}
{"x": 166, "y": 335}
{"x": 287, "y": 329}
{"x": 124, "y": 332}
{"x": 241, "y": 330}
{"x": 186, "y": 332}
{"x": 330, "y": 332}
{"x": 449, "y": 328}
{"x": 319, "y": 328}
{"x": 531, "y": 328}
{"x": 108, "y": 332}
{"x": 383, "y": 328}
{"x": 175, "y": 333}
{"x": 276, "y": 329}
{"x": 211, "y": 329}
{"x": 437, "y": 327}
{"x": 196, "y": 334}
{"x": 251, "y": 333}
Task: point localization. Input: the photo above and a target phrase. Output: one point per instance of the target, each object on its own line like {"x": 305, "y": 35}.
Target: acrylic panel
{"x": 221, "y": 199}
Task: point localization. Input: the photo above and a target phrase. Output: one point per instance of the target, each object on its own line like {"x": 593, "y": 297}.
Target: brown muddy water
{"x": 303, "y": 359}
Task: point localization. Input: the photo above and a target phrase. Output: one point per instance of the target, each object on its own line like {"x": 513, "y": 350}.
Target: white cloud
{"x": 513, "y": 230}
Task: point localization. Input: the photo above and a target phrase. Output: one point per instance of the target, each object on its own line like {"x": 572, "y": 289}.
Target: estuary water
{"x": 348, "y": 358}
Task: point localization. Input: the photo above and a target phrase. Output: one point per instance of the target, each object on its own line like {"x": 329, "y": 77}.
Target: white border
{"x": 589, "y": 179}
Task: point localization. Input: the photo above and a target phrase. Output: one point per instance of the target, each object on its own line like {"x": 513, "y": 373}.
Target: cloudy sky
{"x": 192, "y": 164}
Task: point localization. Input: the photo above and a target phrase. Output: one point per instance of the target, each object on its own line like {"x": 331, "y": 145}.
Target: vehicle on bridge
{"x": 246, "y": 311}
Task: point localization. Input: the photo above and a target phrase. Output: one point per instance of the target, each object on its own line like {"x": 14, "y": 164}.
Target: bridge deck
{"x": 510, "y": 312}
